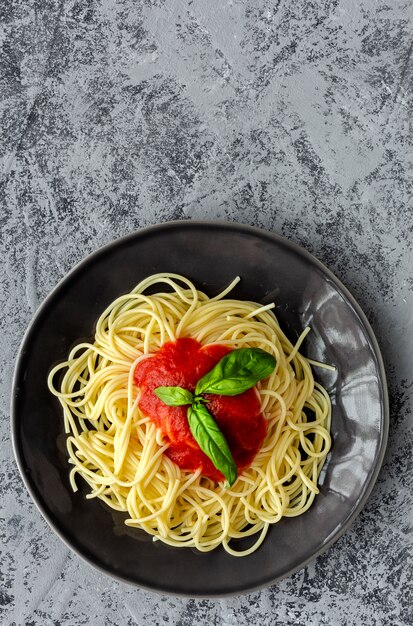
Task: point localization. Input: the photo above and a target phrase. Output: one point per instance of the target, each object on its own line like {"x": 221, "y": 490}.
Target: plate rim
{"x": 228, "y": 225}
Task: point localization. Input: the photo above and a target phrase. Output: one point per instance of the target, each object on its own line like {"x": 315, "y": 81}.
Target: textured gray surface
{"x": 294, "y": 116}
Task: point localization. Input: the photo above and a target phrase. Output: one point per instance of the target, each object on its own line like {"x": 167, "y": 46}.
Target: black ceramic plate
{"x": 210, "y": 254}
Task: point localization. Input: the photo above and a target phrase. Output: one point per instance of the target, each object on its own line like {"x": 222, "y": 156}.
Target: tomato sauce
{"x": 182, "y": 363}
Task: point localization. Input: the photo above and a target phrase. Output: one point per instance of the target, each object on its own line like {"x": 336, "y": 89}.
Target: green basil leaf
{"x": 174, "y": 396}
{"x": 210, "y": 439}
{"x": 236, "y": 372}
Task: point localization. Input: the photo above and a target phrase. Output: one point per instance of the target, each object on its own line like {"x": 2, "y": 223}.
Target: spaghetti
{"x": 119, "y": 451}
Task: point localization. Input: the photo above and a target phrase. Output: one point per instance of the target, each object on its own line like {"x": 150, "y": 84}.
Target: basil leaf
{"x": 210, "y": 439}
{"x": 174, "y": 396}
{"x": 236, "y": 372}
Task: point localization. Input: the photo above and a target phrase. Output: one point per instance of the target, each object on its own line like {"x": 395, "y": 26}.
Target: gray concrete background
{"x": 290, "y": 115}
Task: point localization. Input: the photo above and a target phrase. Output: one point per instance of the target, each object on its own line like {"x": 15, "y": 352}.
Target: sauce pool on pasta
{"x": 139, "y": 456}
{"x": 183, "y": 362}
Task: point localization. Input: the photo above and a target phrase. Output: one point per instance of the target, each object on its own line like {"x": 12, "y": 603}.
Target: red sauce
{"x": 183, "y": 363}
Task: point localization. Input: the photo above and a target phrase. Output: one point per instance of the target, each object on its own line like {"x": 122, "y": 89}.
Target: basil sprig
{"x": 236, "y": 372}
